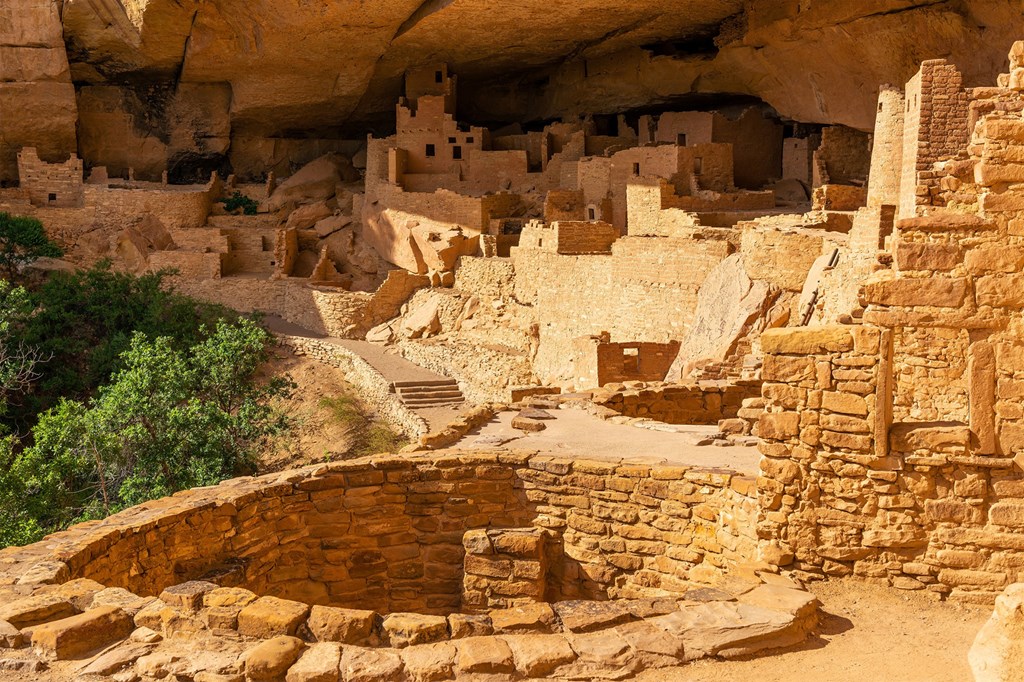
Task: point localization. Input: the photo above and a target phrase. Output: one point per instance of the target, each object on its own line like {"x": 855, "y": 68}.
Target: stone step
{"x": 420, "y": 384}
{"x": 430, "y": 392}
{"x": 432, "y": 402}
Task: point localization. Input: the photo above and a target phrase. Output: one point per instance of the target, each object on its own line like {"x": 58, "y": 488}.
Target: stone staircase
{"x": 420, "y": 395}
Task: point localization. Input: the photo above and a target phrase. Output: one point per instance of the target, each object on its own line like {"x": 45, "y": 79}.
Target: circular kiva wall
{"x": 389, "y": 534}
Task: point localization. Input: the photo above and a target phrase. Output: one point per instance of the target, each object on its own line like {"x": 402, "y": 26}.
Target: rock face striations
{"x": 37, "y": 100}
{"x": 189, "y": 87}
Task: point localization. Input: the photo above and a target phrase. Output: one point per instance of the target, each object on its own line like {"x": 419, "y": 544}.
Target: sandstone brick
{"x": 779, "y": 425}
{"x": 806, "y": 340}
{"x": 187, "y": 595}
{"x": 270, "y": 617}
{"x": 538, "y": 656}
{"x": 80, "y": 635}
{"x": 270, "y": 660}
{"x": 430, "y": 662}
{"x": 370, "y": 665}
{"x": 347, "y": 626}
{"x": 935, "y": 292}
{"x": 485, "y": 655}
{"x": 917, "y": 256}
{"x": 537, "y": 617}
{"x": 319, "y": 663}
{"x": 407, "y": 629}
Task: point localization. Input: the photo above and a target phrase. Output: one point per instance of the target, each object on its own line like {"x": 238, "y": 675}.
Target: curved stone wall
{"x": 385, "y": 533}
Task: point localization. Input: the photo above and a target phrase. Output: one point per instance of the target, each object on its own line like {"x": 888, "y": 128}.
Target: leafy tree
{"x": 23, "y": 241}
{"x": 83, "y": 322}
{"x": 170, "y": 419}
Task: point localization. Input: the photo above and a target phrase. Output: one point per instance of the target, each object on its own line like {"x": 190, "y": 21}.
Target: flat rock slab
{"x": 586, "y": 616}
{"x": 370, "y": 665}
{"x": 37, "y": 609}
{"x": 80, "y": 635}
{"x": 485, "y": 655}
{"x": 319, "y": 663}
{"x": 116, "y": 659}
{"x": 534, "y": 413}
{"x": 522, "y": 423}
{"x": 348, "y": 626}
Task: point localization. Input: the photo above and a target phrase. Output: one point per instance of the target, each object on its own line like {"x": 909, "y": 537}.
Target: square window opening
{"x": 431, "y": 150}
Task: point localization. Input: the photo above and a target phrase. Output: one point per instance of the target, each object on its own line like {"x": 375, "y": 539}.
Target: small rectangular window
{"x": 53, "y": 197}
{"x": 636, "y": 169}
{"x": 592, "y": 213}
{"x": 438, "y": 77}
{"x": 681, "y": 139}
{"x": 469, "y": 140}
{"x": 431, "y": 151}
{"x": 456, "y": 152}
{"x": 452, "y": 140}
{"x": 698, "y": 165}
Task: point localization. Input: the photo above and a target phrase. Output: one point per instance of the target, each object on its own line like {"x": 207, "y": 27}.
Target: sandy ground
{"x": 580, "y": 434}
{"x": 317, "y": 435}
{"x": 866, "y": 634}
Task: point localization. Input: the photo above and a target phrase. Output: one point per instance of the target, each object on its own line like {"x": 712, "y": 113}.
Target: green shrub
{"x": 171, "y": 418}
{"x": 22, "y": 242}
{"x": 239, "y": 201}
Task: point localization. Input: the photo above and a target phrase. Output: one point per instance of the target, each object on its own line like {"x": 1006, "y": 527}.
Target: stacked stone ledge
{"x": 640, "y": 538}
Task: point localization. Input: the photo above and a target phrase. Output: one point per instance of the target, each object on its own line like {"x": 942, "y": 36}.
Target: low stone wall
{"x": 679, "y": 404}
{"x": 386, "y": 533}
{"x": 374, "y": 388}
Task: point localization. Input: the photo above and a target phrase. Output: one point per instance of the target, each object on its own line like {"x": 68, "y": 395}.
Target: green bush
{"x": 22, "y": 242}
{"x": 171, "y": 418}
{"x": 239, "y": 201}
{"x": 82, "y": 323}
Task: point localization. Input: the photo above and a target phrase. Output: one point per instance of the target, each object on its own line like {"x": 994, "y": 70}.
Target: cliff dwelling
{"x": 402, "y": 341}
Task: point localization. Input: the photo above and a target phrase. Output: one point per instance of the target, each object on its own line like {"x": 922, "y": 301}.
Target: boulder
{"x": 305, "y": 217}
{"x": 729, "y": 306}
{"x": 407, "y": 629}
{"x": 270, "y": 660}
{"x": 319, "y": 663}
{"x": 316, "y": 181}
{"x": 348, "y": 626}
{"x": 270, "y": 616}
{"x": 998, "y": 649}
{"x": 329, "y": 225}
{"x": 422, "y": 322}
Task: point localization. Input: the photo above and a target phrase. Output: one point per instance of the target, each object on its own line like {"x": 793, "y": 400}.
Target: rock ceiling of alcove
{"x": 307, "y": 64}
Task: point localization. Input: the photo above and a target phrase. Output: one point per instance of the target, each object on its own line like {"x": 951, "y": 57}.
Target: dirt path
{"x": 867, "y": 634}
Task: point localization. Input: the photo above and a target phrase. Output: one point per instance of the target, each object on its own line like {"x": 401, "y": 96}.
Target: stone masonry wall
{"x": 386, "y": 533}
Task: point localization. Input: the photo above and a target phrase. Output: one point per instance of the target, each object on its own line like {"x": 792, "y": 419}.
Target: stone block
{"x": 188, "y": 595}
{"x": 1000, "y": 291}
{"x": 430, "y": 662}
{"x": 938, "y": 292}
{"x": 586, "y": 616}
{"x": 845, "y": 403}
{"x": 79, "y": 636}
{"x": 319, "y": 663}
{"x": 538, "y": 617}
{"x": 485, "y": 655}
{"x": 778, "y": 425}
{"x": 370, "y": 665}
{"x": 36, "y": 609}
{"x": 806, "y": 340}
{"x": 270, "y": 617}
{"x": 538, "y": 656}
{"x": 347, "y": 626}
{"x": 932, "y": 257}
{"x": 407, "y": 629}
{"x": 271, "y": 659}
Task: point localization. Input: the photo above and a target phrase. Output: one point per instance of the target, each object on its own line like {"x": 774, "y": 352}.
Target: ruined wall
{"x": 680, "y": 404}
{"x": 58, "y": 185}
{"x": 646, "y": 290}
{"x": 887, "y": 149}
{"x": 935, "y": 128}
{"x": 386, "y": 533}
